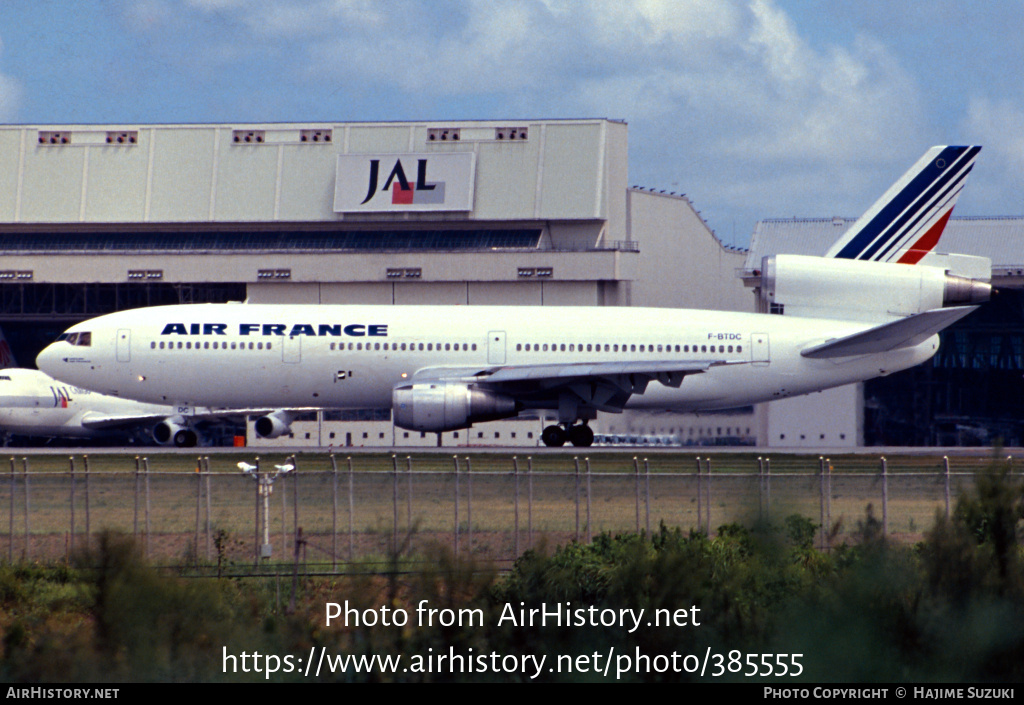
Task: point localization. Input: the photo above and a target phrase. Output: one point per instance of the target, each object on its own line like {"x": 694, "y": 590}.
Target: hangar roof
{"x": 1001, "y": 239}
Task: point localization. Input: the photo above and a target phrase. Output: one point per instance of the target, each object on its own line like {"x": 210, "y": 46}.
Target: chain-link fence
{"x": 327, "y": 512}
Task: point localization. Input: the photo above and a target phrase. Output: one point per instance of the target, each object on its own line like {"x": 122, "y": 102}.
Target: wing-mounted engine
{"x": 857, "y": 290}
{"x": 447, "y": 406}
{"x": 174, "y": 430}
{"x": 274, "y": 424}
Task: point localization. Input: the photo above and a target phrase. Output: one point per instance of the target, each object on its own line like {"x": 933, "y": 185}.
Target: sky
{"x": 753, "y": 108}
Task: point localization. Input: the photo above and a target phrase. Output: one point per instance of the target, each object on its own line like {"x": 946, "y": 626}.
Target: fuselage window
{"x": 233, "y": 346}
{"x": 332, "y": 346}
{"x": 376, "y": 346}
{"x": 473, "y": 347}
{"x": 180, "y": 346}
{"x": 703, "y": 348}
{"x": 739, "y": 348}
{"x": 161, "y": 345}
{"x": 730, "y": 348}
{"x": 545, "y": 347}
{"x": 632, "y": 347}
{"x": 259, "y": 346}
{"x": 268, "y": 346}
{"x": 188, "y": 344}
{"x": 152, "y": 345}
{"x": 206, "y": 345}
{"x": 641, "y": 348}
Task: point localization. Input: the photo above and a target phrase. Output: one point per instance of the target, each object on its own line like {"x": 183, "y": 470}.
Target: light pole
{"x": 265, "y": 486}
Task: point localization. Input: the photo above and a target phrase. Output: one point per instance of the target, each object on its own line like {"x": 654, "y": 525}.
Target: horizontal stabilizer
{"x": 906, "y": 332}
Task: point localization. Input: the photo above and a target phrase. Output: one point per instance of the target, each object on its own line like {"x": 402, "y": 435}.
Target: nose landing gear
{"x": 580, "y": 435}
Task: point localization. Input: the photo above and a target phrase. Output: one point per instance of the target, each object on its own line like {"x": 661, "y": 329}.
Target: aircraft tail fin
{"x": 6, "y": 356}
{"x": 907, "y": 221}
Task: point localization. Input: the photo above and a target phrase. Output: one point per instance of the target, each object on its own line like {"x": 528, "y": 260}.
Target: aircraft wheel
{"x": 581, "y": 435}
{"x": 553, "y": 436}
{"x": 185, "y": 439}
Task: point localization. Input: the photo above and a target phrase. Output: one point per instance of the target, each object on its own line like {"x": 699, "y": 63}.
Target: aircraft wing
{"x": 604, "y": 386}
{"x": 97, "y": 421}
{"x": 905, "y": 332}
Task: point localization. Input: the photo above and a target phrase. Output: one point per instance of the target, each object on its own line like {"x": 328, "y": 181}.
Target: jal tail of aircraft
{"x": 6, "y": 356}
{"x": 858, "y": 313}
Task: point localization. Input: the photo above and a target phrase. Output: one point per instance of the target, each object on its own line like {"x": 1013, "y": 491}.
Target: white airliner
{"x": 872, "y": 306}
{"x": 34, "y": 404}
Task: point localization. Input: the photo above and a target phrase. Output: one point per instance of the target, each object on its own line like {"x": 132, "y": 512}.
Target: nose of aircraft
{"x": 47, "y": 360}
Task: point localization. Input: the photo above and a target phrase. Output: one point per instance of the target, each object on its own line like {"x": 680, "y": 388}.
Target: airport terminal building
{"x": 98, "y": 218}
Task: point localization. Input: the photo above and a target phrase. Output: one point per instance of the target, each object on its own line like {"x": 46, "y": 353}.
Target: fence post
{"x": 209, "y": 513}
{"x": 636, "y": 491}
{"x": 515, "y": 507}
{"x": 256, "y": 518}
{"x": 576, "y": 487}
{"x": 10, "y": 533}
{"x": 135, "y": 499}
{"x": 71, "y": 538}
{"x": 700, "y": 499}
{"x": 145, "y": 463}
{"x": 590, "y": 532}
{"x": 885, "y": 498}
{"x": 647, "y": 496}
{"x": 88, "y": 533}
{"x": 455, "y": 536}
{"x": 334, "y": 513}
{"x": 351, "y": 511}
{"x": 28, "y": 535}
{"x": 469, "y": 506}
{"x": 828, "y": 495}
{"x": 945, "y": 464}
{"x": 707, "y": 488}
{"x": 408, "y": 493}
{"x": 529, "y": 500}
{"x": 394, "y": 504}
{"x": 199, "y": 507}
{"x": 760, "y": 488}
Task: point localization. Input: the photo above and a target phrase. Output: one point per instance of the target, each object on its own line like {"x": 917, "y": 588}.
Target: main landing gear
{"x": 579, "y": 435}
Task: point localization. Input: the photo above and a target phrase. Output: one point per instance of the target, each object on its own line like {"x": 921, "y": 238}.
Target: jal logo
{"x": 404, "y": 191}
{"x": 381, "y": 183}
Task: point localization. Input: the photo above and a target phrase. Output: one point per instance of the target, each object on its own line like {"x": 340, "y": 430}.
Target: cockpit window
{"x": 83, "y": 339}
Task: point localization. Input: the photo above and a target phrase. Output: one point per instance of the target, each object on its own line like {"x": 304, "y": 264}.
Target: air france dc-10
{"x": 872, "y": 305}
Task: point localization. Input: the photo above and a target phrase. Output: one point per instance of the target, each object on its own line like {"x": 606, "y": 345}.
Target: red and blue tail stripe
{"x": 907, "y": 221}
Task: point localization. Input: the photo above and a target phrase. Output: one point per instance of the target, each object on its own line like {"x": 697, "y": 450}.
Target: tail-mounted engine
{"x": 447, "y": 406}
{"x": 822, "y": 287}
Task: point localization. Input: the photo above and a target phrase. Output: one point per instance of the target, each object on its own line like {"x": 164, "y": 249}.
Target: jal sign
{"x": 368, "y": 183}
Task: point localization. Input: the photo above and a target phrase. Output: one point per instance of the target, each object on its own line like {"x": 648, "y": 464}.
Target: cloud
{"x": 728, "y": 95}
{"x": 999, "y": 127}
{"x": 10, "y": 94}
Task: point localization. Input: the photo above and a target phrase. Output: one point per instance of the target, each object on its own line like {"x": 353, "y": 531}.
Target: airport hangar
{"x": 98, "y": 218}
